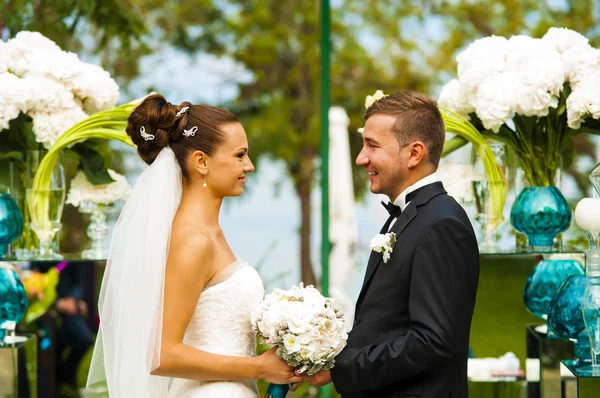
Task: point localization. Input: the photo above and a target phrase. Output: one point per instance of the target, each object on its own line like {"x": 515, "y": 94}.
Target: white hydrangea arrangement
{"x": 53, "y": 87}
{"x": 307, "y": 327}
{"x": 82, "y": 190}
{"x": 533, "y": 94}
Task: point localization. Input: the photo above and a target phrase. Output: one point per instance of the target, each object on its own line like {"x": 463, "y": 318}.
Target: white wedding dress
{"x": 221, "y": 325}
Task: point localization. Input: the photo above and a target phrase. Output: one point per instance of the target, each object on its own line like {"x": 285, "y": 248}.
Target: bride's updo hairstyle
{"x": 156, "y": 123}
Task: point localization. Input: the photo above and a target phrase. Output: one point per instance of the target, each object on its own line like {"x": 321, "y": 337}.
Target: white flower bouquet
{"x": 532, "y": 94}
{"x": 307, "y": 328}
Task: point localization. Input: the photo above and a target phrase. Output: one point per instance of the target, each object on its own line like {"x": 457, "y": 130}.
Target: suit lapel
{"x": 421, "y": 198}
{"x": 401, "y": 223}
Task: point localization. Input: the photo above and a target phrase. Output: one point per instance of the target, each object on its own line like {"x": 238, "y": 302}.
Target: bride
{"x": 175, "y": 302}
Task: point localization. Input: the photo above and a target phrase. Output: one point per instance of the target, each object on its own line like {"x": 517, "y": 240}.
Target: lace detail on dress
{"x": 221, "y": 324}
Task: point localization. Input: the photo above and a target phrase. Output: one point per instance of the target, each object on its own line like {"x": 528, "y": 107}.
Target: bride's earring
{"x": 204, "y": 185}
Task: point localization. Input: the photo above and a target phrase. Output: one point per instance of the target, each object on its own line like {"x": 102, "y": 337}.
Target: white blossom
{"x": 499, "y": 77}
{"x": 308, "y": 328}
{"x": 384, "y": 244}
{"x": 15, "y": 97}
{"x": 370, "y": 99}
{"x": 453, "y": 97}
{"x": 580, "y": 62}
{"x": 458, "y": 180}
{"x": 480, "y": 60}
{"x": 584, "y": 101}
{"x": 54, "y": 87}
{"x": 82, "y": 190}
{"x": 96, "y": 89}
{"x": 564, "y": 39}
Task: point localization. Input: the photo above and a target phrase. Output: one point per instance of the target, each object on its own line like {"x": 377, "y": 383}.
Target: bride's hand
{"x": 275, "y": 370}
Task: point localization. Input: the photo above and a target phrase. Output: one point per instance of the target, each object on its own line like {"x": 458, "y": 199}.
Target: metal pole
{"x": 325, "y": 391}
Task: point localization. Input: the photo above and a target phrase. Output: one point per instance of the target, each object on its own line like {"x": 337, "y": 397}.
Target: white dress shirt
{"x": 401, "y": 199}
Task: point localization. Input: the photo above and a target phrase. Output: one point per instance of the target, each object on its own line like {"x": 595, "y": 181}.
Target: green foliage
{"x": 39, "y": 307}
{"x": 92, "y": 163}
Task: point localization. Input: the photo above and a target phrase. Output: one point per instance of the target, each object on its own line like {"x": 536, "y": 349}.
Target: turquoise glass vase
{"x": 545, "y": 280}
{"x": 540, "y": 213}
{"x": 565, "y": 317}
{"x": 11, "y": 222}
{"x": 13, "y": 301}
{"x": 564, "y": 313}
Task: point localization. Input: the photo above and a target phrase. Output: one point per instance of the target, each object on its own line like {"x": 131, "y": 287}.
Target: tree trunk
{"x": 304, "y": 189}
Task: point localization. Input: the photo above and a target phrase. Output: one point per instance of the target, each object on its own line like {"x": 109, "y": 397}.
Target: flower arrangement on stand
{"x": 533, "y": 95}
{"x": 97, "y": 200}
{"x": 51, "y": 102}
{"x": 46, "y": 91}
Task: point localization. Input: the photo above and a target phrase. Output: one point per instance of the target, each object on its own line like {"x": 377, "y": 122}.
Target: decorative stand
{"x": 587, "y": 384}
{"x": 18, "y": 368}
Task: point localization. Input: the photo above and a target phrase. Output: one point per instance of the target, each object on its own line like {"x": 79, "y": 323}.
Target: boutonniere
{"x": 384, "y": 243}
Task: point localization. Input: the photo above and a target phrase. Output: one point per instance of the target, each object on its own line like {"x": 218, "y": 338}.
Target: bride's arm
{"x": 187, "y": 272}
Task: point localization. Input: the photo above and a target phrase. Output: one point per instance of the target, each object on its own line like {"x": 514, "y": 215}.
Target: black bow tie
{"x": 394, "y": 210}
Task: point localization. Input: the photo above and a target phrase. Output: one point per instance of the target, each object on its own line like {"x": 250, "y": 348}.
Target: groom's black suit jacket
{"x": 413, "y": 316}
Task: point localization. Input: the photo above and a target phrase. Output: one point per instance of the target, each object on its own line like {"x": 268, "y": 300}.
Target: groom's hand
{"x": 319, "y": 379}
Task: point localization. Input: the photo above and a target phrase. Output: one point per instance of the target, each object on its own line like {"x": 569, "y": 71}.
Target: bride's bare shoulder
{"x": 191, "y": 246}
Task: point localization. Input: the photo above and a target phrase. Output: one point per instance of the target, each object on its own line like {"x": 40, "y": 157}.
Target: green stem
{"x": 109, "y": 124}
{"x": 460, "y": 126}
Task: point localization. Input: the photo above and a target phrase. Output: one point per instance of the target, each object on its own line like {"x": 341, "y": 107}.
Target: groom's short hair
{"x": 417, "y": 118}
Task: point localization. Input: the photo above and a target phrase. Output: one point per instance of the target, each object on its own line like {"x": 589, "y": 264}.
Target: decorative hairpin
{"x": 191, "y": 132}
{"x": 146, "y": 137}
{"x": 182, "y": 111}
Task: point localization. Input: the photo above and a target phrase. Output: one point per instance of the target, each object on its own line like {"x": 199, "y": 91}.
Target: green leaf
{"x": 92, "y": 164}
{"x": 16, "y": 157}
{"x": 453, "y": 144}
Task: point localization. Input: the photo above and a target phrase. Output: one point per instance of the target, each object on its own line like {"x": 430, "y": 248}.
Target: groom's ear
{"x": 200, "y": 162}
{"x": 417, "y": 154}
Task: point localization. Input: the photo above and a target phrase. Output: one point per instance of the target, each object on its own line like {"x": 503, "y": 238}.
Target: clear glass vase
{"x": 98, "y": 229}
{"x": 488, "y": 222}
{"x": 45, "y": 207}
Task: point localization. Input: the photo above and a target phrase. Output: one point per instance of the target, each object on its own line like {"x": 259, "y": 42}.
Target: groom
{"x": 413, "y": 316}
